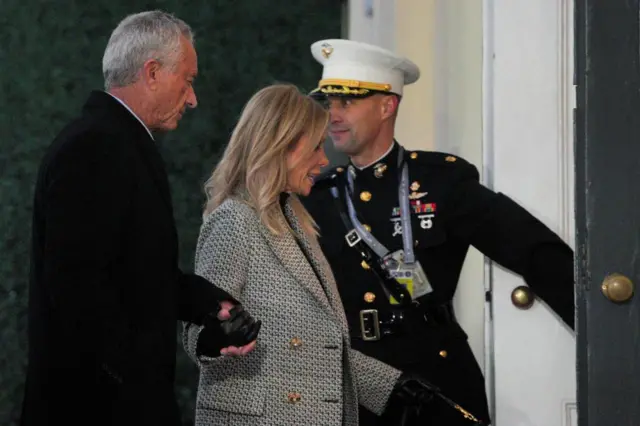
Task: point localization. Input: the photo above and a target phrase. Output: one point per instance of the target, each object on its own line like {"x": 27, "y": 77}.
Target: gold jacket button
{"x": 365, "y": 196}
{"x": 367, "y": 227}
{"x": 369, "y": 297}
{"x": 413, "y": 155}
{"x": 295, "y": 342}
{"x": 294, "y": 397}
{"x": 365, "y": 265}
{"x": 443, "y": 354}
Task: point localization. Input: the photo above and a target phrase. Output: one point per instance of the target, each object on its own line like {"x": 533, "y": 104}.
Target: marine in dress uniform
{"x": 448, "y": 210}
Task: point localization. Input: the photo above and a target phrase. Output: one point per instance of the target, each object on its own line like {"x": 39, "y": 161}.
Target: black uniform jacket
{"x": 105, "y": 288}
{"x": 450, "y": 211}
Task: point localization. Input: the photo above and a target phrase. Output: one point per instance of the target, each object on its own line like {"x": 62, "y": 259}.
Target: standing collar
{"x": 379, "y": 158}
{"x": 383, "y": 166}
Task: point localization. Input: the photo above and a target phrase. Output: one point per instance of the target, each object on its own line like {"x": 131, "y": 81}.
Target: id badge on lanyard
{"x": 401, "y": 265}
{"x": 409, "y": 275}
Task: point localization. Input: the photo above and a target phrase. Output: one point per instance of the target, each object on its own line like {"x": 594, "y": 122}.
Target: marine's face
{"x": 354, "y": 123}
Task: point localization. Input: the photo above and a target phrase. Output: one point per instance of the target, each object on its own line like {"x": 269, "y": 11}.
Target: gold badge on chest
{"x": 415, "y": 195}
{"x": 379, "y": 169}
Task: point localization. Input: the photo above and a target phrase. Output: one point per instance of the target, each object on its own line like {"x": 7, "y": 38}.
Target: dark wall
{"x": 50, "y": 58}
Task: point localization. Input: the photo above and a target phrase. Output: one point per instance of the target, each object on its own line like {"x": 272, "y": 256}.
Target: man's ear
{"x": 389, "y": 106}
{"x": 149, "y": 73}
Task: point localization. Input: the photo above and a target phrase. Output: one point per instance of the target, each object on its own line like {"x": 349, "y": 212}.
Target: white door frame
{"x": 487, "y": 155}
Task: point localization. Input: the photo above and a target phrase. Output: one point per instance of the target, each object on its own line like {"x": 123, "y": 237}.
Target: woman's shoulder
{"x": 231, "y": 211}
{"x": 237, "y": 205}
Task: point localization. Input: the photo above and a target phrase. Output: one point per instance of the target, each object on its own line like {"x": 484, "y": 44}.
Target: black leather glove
{"x": 238, "y": 330}
{"x": 413, "y": 393}
{"x": 409, "y": 396}
{"x": 411, "y": 389}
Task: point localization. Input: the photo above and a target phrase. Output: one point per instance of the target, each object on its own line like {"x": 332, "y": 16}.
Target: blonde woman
{"x": 259, "y": 244}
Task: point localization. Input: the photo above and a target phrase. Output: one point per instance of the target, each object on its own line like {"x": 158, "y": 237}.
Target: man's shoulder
{"x": 441, "y": 163}
{"x": 101, "y": 116}
{"x": 324, "y": 185}
{"x": 87, "y": 135}
{"x": 83, "y": 146}
{"x": 436, "y": 158}
{"x": 328, "y": 178}
{"x": 322, "y": 193}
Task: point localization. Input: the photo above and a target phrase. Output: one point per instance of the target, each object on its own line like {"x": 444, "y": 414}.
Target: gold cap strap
{"x": 355, "y": 84}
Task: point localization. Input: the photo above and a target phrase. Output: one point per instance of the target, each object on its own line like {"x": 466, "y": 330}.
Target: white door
{"x": 528, "y": 154}
{"x": 526, "y": 110}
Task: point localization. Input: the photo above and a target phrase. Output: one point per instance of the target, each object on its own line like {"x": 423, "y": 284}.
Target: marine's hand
{"x": 412, "y": 389}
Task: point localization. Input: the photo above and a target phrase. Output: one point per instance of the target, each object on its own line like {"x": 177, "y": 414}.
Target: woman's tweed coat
{"x": 303, "y": 371}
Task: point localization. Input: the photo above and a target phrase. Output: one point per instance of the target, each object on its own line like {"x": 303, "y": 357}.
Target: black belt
{"x": 373, "y": 324}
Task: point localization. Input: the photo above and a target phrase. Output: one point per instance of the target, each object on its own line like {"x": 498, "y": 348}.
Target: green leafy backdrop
{"x": 50, "y": 58}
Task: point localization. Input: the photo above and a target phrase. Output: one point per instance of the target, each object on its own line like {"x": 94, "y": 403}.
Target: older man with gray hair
{"x": 105, "y": 288}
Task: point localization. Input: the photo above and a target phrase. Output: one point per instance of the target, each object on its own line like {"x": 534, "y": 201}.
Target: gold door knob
{"x": 617, "y": 288}
{"x": 522, "y": 297}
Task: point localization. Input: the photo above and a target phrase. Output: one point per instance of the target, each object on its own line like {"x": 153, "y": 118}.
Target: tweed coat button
{"x": 294, "y": 397}
{"x": 365, "y": 196}
{"x": 295, "y": 342}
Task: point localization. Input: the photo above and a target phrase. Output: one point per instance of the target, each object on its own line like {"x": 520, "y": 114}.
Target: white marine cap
{"x": 356, "y": 69}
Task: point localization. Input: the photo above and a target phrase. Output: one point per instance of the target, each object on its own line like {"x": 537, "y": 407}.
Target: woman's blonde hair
{"x": 254, "y": 164}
